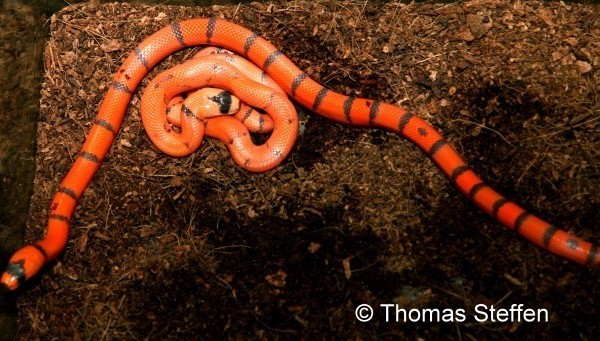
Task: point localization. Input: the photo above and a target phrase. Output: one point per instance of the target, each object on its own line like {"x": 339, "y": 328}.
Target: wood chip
{"x": 584, "y": 67}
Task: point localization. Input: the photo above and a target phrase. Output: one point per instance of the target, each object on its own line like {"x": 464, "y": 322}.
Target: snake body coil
{"x": 27, "y": 261}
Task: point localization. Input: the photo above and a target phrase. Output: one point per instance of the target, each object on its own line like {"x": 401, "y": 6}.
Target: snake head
{"x": 14, "y": 275}
{"x": 24, "y": 264}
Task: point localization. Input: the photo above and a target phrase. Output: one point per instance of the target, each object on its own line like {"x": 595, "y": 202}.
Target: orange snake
{"x": 213, "y": 71}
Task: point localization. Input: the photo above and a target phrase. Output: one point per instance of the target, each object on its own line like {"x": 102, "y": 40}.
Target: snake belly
{"x": 27, "y": 261}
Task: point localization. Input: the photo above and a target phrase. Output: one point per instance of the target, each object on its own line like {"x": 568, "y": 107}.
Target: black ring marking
{"x": 550, "y": 231}
{"x": 594, "y": 253}
{"x": 68, "y": 191}
{"x": 374, "y": 111}
{"x": 297, "y": 81}
{"x": 223, "y": 100}
{"x": 271, "y": 58}
{"x": 476, "y": 188}
{"x": 90, "y": 156}
{"x": 247, "y": 115}
{"x": 210, "y": 30}
{"x": 404, "y": 121}
{"x": 348, "y": 107}
{"x": 458, "y": 171}
{"x": 520, "y": 220}
{"x": 188, "y": 112}
{"x": 121, "y": 87}
{"x": 59, "y": 217}
{"x": 497, "y": 205}
{"x": 319, "y": 99}
{"x": 16, "y": 270}
{"x": 106, "y": 125}
{"x": 437, "y": 146}
{"x": 176, "y": 30}
{"x": 41, "y": 250}
{"x": 141, "y": 57}
{"x": 249, "y": 42}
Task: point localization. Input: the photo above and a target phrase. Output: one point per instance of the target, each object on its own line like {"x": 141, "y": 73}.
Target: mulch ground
{"x": 164, "y": 248}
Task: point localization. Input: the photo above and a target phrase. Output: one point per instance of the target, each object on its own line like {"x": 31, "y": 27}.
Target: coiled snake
{"x": 180, "y": 132}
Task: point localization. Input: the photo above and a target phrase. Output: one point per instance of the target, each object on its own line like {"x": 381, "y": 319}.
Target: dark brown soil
{"x": 173, "y": 248}
{"x": 21, "y": 47}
